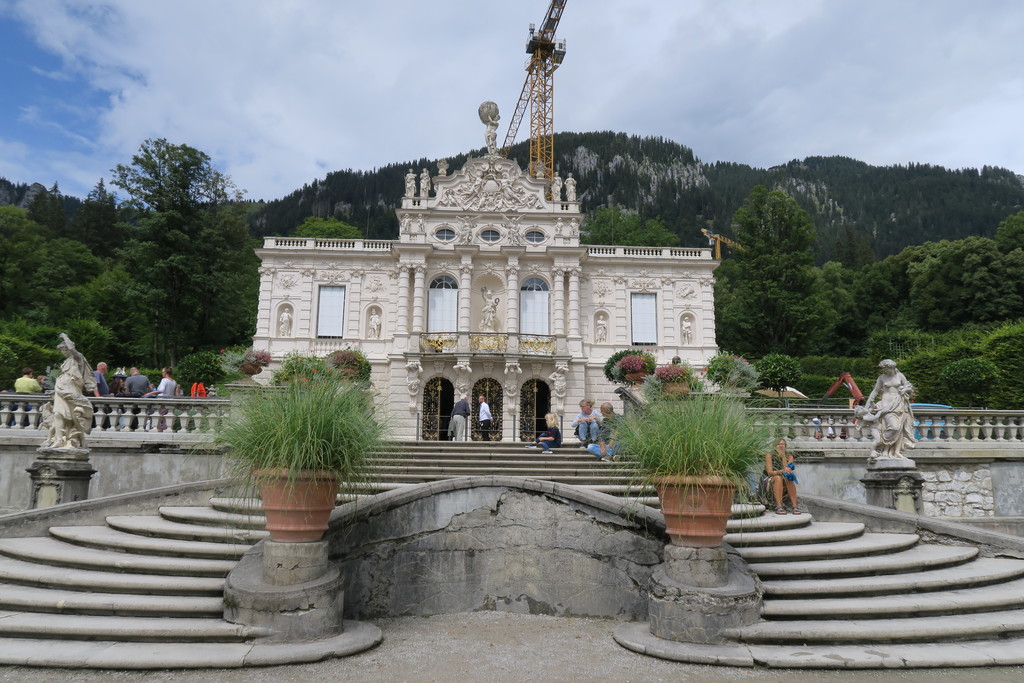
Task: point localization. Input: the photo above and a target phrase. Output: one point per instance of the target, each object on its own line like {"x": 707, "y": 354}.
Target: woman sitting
{"x": 780, "y": 470}
{"x": 552, "y": 438}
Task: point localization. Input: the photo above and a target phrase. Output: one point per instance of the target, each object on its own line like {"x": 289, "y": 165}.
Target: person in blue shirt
{"x": 552, "y": 438}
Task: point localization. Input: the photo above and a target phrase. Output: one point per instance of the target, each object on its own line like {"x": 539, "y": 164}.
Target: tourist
{"x": 604, "y": 449}
{"x": 137, "y": 384}
{"x": 552, "y": 438}
{"x": 167, "y": 388}
{"x": 587, "y": 423}
{"x": 484, "y": 418}
{"x": 459, "y": 419}
{"x": 27, "y": 384}
{"x": 780, "y": 473}
{"x": 101, "y": 380}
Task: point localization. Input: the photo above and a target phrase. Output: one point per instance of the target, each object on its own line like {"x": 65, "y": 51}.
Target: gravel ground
{"x": 496, "y": 646}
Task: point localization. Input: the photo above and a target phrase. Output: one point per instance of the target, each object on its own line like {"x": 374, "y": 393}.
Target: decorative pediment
{"x": 490, "y": 184}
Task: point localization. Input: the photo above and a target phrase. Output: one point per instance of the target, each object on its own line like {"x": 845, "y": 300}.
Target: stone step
{"x": 208, "y": 516}
{"x": 242, "y": 506}
{"x": 184, "y": 654}
{"x": 573, "y": 480}
{"x": 861, "y": 546}
{"x": 636, "y": 636}
{"x": 938, "y": 629}
{"x": 980, "y": 572}
{"x": 61, "y": 601}
{"x": 476, "y": 467}
{"x": 818, "y": 532}
{"x": 917, "y": 558}
{"x": 767, "y": 522}
{"x": 1003, "y": 596}
{"x": 107, "y": 538}
{"x": 25, "y": 573}
{"x": 154, "y": 525}
{"x": 125, "y": 629}
{"x": 57, "y": 553}
{"x": 747, "y": 510}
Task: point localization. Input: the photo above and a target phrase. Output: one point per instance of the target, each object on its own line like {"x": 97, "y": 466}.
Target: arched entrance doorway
{"x": 534, "y": 404}
{"x": 438, "y": 401}
{"x": 490, "y": 389}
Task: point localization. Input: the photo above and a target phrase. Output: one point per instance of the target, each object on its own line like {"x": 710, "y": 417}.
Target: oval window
{"x": 535, "y": 237}
{"x": 445, "y": 235}
{"x": 490, "y": 235}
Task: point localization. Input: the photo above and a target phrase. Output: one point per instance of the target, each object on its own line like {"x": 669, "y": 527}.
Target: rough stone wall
{"x": 495, "y": 548}
{"x": 960, "y": 491}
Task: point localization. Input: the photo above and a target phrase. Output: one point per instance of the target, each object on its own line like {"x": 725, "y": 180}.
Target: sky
{"x": 281, "y": 92}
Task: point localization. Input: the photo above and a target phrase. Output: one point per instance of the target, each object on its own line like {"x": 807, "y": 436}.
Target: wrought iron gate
{"x": 534, "y": 404}
{"x": 490, "y": 389}
{"x": 438, "y": 401}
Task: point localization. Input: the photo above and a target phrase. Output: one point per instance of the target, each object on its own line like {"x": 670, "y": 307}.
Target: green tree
{"x": 192, "y": 259}
{"x": 778, "y": 371}
{"x": 614, "y": 226}
{"x": 327, "y": 228}
{"x": 47, "y": 209}
{"x": 968, "y": 380}
{"x": 1010, "y": 233}
{"x": 97, "y": 224}
{"x": 766, "y": 296}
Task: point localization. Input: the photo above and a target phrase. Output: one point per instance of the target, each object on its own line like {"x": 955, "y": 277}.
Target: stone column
{"x": 559, "y": 302}
{"x": 574, "y": 302}
{"x": 418, "y": 291}
{"x": 402, "y": 313}
{"x": 512, "y": 297}
{"x": 465, "y": 295}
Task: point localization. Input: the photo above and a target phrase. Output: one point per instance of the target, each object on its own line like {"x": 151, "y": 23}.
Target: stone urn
{"x": 250, "y": 369}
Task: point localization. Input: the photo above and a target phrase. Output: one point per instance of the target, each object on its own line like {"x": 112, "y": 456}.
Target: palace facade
{"x": 487, "y": 291}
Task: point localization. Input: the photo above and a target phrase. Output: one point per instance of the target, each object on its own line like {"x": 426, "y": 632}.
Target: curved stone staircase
{"x": 145, "y": 591}
{"x": 838, "y": 596}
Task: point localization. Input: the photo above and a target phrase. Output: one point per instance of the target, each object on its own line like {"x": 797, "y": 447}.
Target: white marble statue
{"x": 601, "y": 334}
{"x": 424, "y": 183}
{"x": 69, "y": 417}
{"x": 284, "y": 323}
{"x": 410, "y": 184}
{"x": 374, "y": 325}
{"x": 687, "y": 331}
{"x": 489, "y": 313}
{"x": 570, "y": 189}
{"x": 556, "y": 189}
{"x": 489, "y": 116}
{"x": 891, "y": 415}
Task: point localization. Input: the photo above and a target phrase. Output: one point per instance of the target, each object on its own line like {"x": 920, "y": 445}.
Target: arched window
{"x": 443, "y": 305}
{"x": 533, "y": 307}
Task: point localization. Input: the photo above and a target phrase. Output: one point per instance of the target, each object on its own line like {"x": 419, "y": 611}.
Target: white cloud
{"x": 278, "y": 93}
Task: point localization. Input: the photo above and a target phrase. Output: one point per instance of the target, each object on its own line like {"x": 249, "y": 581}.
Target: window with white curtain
{"x": 330, "y": 312}
{"x": 533, "y": 307}
{"x": 644, "y": 318}
{"x": 443, "y": 305}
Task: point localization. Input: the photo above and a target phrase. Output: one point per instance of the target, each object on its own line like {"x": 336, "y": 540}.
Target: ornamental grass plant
{"x": 701, "y": 435}
{"x": 321, "y": 425}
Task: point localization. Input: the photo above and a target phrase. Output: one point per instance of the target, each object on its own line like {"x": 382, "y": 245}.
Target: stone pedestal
{"x": 60, "y": 475}
{"x": 697, "y": 593}
{"x": 290, "y": 589}
{"x": 894, "y": 483}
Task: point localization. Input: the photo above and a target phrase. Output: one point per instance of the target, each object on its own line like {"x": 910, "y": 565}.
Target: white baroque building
{"x": 486, "y": 291}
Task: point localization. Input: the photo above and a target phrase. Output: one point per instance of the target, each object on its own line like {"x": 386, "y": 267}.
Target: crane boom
{"x": 719, "y": 240}
{"x": 539, "y": 91}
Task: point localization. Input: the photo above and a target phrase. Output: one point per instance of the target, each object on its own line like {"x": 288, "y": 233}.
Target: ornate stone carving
{"x": 489, "y": 312}
{"x": 284, "y": 322}
{"x": 424, "y": 183}
{"x": 442, "y": 167}
{"x": 686, "y": 291}
{"x": 465, "y": 232}
{"x": 491, "y": 184}
{"x": 512, "y": 233}
{"x": 686, "y": 330}
{"x": 570, "y": 189}
{"x": 410, "y": 184}
{"x": 556, "y": 189}
{"x": 890, "y": 416}
{"x": 462, "y": 372}
{"x": 287, "y": 281}
{"x": 601, "y": 330}
{"x": 602, "y": 288}
{"x": 412, "y": 373}
{"x": 374, "y": 323}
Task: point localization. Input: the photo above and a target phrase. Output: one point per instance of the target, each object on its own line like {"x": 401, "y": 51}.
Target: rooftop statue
{"x": 69, "y": 418}
{"x": 489, "y": 116}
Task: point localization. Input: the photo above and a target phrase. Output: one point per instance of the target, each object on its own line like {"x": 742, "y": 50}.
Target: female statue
{"x": 69, "y": 417}
{"x": 891, "y": 415}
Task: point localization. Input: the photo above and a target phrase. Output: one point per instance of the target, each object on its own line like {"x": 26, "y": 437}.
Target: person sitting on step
{"x": 587, "y": 423}
{"x": 552, "y": 438}
{"x": 780, "y": 471}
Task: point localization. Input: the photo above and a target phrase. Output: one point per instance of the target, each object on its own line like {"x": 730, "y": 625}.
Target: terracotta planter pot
{"x": 297, "y": 509}
{"x": 677, "y": 388}
{"x": 250, "y": 369}
{"x": 635, "y": 377}
{"x": 696, "y": 509}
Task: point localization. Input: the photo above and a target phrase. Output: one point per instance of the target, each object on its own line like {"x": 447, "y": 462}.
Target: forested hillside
{"x": 861, "y": 213}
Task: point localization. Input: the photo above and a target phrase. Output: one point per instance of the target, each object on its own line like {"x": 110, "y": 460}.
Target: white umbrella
{"x": 788, "y": 392}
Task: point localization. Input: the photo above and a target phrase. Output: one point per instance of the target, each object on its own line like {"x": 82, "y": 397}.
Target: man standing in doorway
{"x": 460, "y": 416}
{"x": 484, "y": 418}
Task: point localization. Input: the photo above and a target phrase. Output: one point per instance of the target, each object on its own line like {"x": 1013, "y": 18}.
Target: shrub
{"x": 201, "y": 366}
{"x": 778, "y": 371}
{"x": 1005, "y": 348}
{"x": 92, "y": 339}
{"x": 732, "y": 372}
{"x": 22, "y": 354}
{"x": 968, "y": 380}
{"x": 614, "y": 373}
{"x": 297, "y": 367}
{"x": 677, "y": 373}
{"x": 349, "y": 359}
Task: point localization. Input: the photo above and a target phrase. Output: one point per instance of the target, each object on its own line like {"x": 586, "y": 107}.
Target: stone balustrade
{"x": 674, "y": 253}
{"x": 23, "y": 412}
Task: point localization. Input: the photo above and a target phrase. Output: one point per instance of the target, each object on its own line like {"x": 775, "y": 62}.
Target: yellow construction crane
{"x": 717, "y": 240}
{"x": 546, "y": 54}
